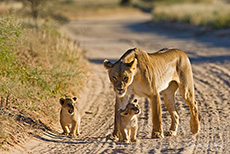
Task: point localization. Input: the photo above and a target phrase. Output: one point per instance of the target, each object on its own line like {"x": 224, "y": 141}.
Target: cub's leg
{"x": 169, "y": 99}
{"x": 64, "y": 128}
{"x": 73, "y": 129}
{"x": 134, "y": 134}
{"x": 78, "y": 129}
{"x": 125, "y": 135}
{"x": 157, "y": 131}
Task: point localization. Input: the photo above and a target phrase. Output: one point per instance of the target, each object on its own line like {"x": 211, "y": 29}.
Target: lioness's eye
{"x": 114, "y": 78}
{"x": 125, "y": 79}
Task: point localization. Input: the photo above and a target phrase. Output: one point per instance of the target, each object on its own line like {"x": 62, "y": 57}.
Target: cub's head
{"x": 131, "y": 109}
{"x": 68, "y": 104}
{"x": 121, "y": 75}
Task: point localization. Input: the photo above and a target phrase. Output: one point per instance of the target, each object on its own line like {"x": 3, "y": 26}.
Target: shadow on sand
{"x": 55, "y": 137}
{"x": 179, "y": 32}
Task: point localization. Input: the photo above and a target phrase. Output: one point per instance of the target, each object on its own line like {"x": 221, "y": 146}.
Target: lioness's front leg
{"x": 157, "y": 131}
{"x": 115, "y": 134}
{"x": 121, "y": 103}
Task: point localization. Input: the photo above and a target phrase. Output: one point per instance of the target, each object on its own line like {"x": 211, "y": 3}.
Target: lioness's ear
{"x": 132, "y": 64}
{"x": 62, "y": 100}
{"x": 108, "y": 64}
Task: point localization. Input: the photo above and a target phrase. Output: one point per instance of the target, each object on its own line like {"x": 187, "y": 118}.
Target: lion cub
{"x": 128, "y": 122}
{"x": 69, "y": 116}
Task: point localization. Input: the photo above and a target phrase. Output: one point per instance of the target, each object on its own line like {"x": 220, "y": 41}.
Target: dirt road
{"x": 110, "y": 38}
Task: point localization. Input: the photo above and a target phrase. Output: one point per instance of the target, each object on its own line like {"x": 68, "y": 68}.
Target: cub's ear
{"x": 132, "y": 65}
{"x": 108, "y": 64}
{"x": 62, "y": 100}
{"x": 124, "y": 113}
{"x": 74, "y": 98}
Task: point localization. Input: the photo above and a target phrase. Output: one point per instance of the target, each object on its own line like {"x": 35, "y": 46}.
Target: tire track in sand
{"x": 212, "y": 86}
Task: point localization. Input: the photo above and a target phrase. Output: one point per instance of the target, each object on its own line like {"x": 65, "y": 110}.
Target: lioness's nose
{"x": 119, "y": 89}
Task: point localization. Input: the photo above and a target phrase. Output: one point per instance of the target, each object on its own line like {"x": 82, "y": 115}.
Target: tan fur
{"x": 128, "y": 122}
{"x": 148, "y": 75}
{"x": 69, "y": 116}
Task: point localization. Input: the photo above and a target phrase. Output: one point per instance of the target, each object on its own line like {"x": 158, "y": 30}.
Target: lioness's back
{"x": 169, "y": 53}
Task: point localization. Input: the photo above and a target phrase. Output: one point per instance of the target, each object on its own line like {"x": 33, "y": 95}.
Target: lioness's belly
{"x": 163, "y": 80}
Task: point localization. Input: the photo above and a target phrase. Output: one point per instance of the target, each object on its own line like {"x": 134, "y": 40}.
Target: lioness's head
{"x": 131, "y": 109}
{"x": 121, "y": 75}
{"x": 68, "y": 104}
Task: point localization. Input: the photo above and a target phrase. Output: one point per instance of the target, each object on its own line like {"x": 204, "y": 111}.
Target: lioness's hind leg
{"x": 187, "y": 92}
{"x": 169, "y": 99}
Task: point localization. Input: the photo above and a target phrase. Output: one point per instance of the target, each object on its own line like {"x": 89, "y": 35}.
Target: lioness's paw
{"x": 112, "y": 137}
{"x": 194, "y": 126}
{"x": 157, "y": 135}
{"x": 194, "y": 129}
{"x": 170, "y": 133}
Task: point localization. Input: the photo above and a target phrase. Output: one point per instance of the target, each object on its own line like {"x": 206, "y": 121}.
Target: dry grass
{"x": 215, "y": 15}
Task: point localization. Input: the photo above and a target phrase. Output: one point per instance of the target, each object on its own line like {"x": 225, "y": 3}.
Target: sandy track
{"x": 110, "y": 38}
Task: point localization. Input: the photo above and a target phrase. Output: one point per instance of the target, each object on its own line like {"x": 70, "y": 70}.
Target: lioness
{"x": 148, "y": 75}
{"x": 69, "y": 116}
{"x": 128, "y": 122}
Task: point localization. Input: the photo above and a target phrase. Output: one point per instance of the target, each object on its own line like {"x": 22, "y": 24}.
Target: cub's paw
{"x": 72, "y": 134}
{"x": 78, "y": 134}
{"x": 125, "y": 141}
{"x": 65, "y": 133}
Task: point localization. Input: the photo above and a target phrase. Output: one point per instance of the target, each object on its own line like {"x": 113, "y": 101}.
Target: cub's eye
{"x": 125, "y": 79}
{"x": 114, "y": 78}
